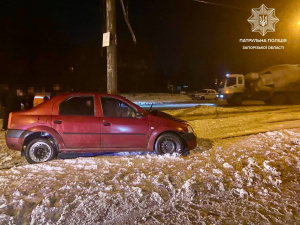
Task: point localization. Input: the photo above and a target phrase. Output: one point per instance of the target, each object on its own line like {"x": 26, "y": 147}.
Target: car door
{"x": 120, "y": 128}
{"x": 77, "y": 123}
{"x": 231, "y": 84}
{"x": 209, "y": 94}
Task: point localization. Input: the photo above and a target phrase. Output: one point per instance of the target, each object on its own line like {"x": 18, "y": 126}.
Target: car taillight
{"x": 9, "y": 121}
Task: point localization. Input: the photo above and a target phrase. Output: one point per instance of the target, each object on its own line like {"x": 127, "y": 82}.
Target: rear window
{"x": 77, "y": 106}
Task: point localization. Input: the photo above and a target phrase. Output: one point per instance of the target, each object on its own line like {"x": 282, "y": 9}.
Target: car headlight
{"x": 190, "y": 129}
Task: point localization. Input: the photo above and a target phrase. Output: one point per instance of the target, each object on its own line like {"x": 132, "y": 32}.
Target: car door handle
{"x": 106, "y": 124}
{"x": 57, "y": 122}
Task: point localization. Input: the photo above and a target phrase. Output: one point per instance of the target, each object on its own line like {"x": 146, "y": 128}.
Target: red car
{"x": 93, "y": 122}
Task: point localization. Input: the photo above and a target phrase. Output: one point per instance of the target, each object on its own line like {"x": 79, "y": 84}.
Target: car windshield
{"x": 203, "y": 91}
{"x": 231, "y": 81}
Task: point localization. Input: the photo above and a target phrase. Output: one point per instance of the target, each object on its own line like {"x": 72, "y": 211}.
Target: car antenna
{"x": 150, "y": 107}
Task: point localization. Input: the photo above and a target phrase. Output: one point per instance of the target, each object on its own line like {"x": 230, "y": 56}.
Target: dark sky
{"x": 178, "y": 38}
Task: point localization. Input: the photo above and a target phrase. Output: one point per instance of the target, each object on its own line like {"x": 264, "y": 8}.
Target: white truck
{"x": 274, "y": 85}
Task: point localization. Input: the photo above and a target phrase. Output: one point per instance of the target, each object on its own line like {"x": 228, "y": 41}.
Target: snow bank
{"x": 156, "y": 98}
{"x": 212, "y": 123}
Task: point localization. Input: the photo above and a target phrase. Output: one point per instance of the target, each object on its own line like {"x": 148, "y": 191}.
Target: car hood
{"x": 161, "y": 114}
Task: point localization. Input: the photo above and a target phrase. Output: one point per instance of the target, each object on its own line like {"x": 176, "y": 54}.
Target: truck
{"x": 276, "y": 85}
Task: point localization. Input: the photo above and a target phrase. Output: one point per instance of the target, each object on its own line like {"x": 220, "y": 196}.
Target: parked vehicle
{"x": 205, "y": 94}
{"x": 275, "y": 85}
{"x": 92, "y": 122}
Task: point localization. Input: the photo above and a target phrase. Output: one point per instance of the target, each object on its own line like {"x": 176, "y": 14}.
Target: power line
{"x": 222, "y": 5}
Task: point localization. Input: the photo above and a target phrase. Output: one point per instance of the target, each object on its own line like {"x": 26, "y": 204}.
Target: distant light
{"x": 221, "y": 96}
{"x": 185, "y": 86}
{"x": 299, "y": 23}
{"x": 40, "y": 97}
{"x": 227, "y": 75}
{"x": 226, "y": 92}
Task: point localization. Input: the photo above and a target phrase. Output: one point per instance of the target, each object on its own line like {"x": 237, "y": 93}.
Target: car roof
{"x": 94, "y": 93}
{"x": 89, "y": 93}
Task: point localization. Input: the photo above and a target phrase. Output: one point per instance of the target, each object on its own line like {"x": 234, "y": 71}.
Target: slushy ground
{"x": 246, "y": 171}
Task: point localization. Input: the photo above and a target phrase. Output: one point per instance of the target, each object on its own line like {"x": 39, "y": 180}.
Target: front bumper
{"x": 190, "y": 139}
{"x": 224, "y": 96}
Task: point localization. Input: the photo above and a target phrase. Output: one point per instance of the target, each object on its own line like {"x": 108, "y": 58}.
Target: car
{"x": 77, "y": 123}
{"x": 204, "y": 94}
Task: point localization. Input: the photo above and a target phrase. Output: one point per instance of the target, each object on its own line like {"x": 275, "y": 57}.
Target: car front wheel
{"x": 40, "y": 150}
{"x": 168, "y": 143}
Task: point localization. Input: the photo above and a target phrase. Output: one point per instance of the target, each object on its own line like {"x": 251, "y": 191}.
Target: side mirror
{"x": 139, "y": 115}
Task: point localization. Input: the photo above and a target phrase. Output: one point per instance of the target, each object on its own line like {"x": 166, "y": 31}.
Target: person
{"x": 46, "y": 98}
{"x": 10, "y": 103}
{"x": 28, "y": 100}
{"x": 3, "y": 104}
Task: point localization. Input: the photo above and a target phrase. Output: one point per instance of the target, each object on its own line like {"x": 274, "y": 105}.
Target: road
{"x": 190, "y": 104}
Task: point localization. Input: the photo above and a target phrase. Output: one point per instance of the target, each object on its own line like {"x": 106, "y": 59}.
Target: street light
{"x": 299, "y": 23}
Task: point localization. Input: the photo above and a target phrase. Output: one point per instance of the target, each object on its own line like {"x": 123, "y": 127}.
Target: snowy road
{"x": 190, "y": 104}
{"x": 247, "y": 172}
{"x": 164, "y": 101}
{"x": 185, "y": 105}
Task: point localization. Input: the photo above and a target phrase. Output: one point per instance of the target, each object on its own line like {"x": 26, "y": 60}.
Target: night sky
{"x": 181, "y": 41}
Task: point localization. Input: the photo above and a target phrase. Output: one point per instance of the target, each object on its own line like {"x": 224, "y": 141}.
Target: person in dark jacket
{"x": 28, "y": 101}
{"x": 10, "y": 103}
{"x": 46, "y": 98}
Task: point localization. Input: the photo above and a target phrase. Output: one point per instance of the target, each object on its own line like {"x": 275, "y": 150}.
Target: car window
{"x": 113, "y": 107}
{"x": 77, "y": 106}
{"x": 203, "y": 91}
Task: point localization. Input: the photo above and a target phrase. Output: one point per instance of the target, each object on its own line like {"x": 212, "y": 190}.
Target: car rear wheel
{"x": 202, "y": 98}
{"x": 40, "y": 150}
{"x": 168, "y": 143}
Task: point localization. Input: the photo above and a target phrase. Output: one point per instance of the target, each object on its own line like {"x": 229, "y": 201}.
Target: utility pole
{"x": 112, "y": 87}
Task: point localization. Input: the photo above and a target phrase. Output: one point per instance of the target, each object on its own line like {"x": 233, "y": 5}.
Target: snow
{"x": 247, "y": 171}
{"x": 156, "y": 98}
